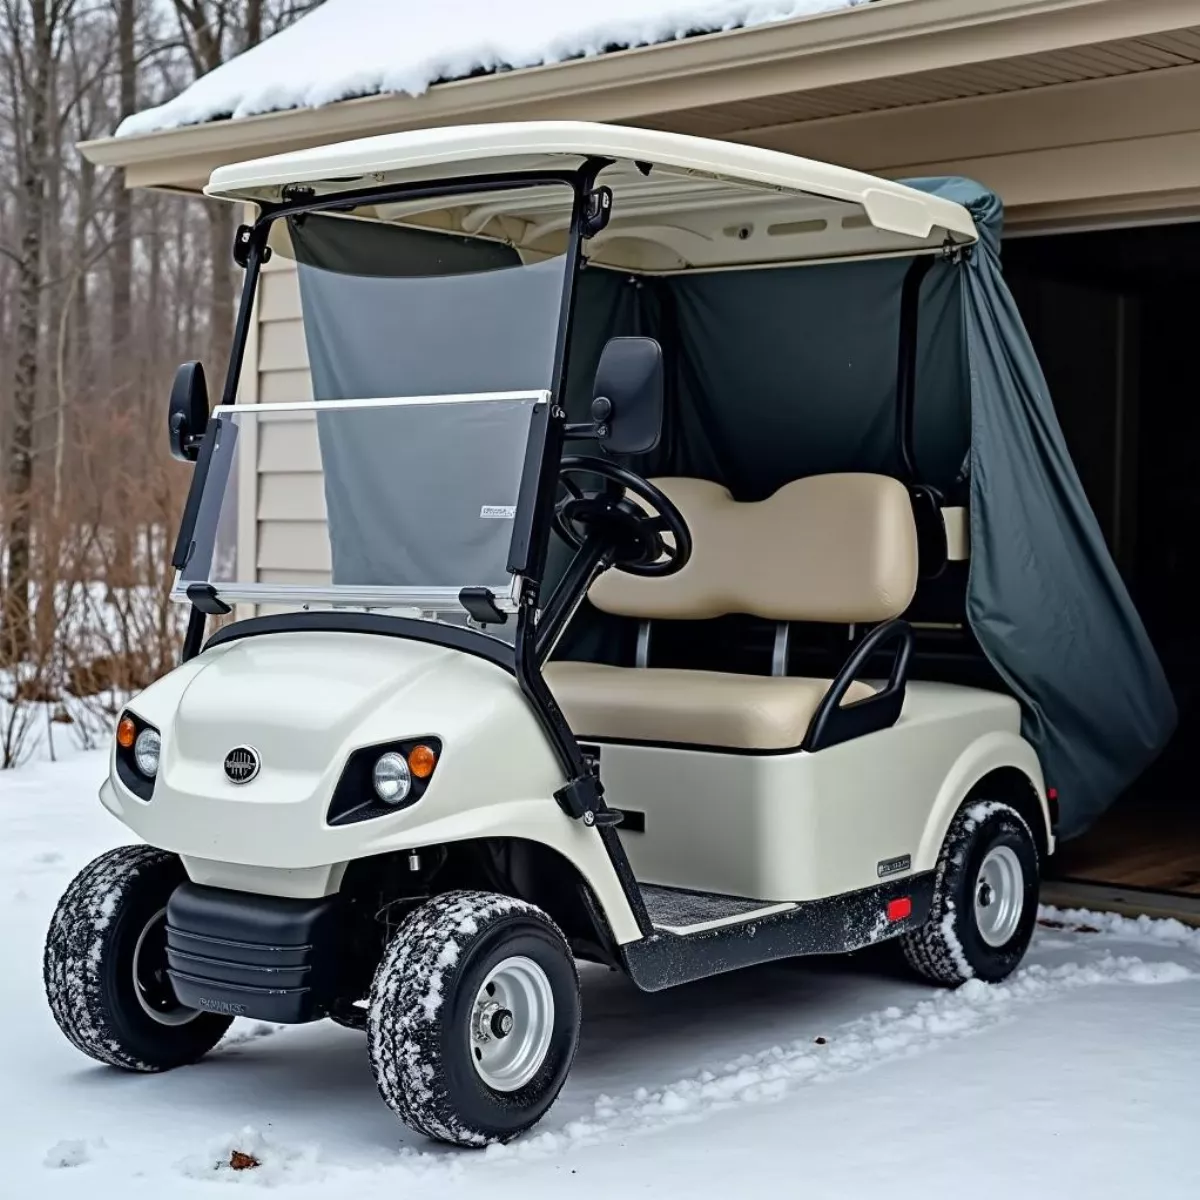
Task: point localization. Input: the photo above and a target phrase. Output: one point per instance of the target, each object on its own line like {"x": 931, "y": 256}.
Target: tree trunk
{"x": 122, "y": 208}
{"x": 14, "y": 619}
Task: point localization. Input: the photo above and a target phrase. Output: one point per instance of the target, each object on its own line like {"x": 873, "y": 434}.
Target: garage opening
{"x": 1113, "y": 317}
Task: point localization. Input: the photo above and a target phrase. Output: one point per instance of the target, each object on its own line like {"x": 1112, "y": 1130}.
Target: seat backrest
{"x": 831, "y": 548}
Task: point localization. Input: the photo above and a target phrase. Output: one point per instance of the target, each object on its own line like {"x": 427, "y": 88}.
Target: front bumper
{"x": 252, "y": 956}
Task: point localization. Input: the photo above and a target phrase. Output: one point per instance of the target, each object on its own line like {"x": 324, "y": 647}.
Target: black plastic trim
{"x": 354, "y": 798}
{"x": 127, "y": 770}
{"x": 452, "y": 637}
{"x": 830, "y": 926}
{"x": 465, "y": 186}
{"x": 835, "y": 722}
{"x": 906, "y": 366}
{"x": 248, "y": 955}
{"x": 191, "y": 505}
{"x": 704, "y": 747}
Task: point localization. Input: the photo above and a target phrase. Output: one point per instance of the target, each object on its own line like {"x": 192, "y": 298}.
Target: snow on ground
{"x": 829, "y": 1079}
{"x": 349, "y": 48}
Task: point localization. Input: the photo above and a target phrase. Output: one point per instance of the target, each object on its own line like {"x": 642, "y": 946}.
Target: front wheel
{"x": 473, "y": 1018}
{"x": 105, "y": 966}
{"x": 985, "y": 899}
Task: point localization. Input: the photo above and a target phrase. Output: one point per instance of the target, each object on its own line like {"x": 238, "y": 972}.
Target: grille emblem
{"x": 241, "y": 764}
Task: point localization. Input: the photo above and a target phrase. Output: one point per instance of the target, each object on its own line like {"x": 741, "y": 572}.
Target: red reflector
{"x": 897, "y": 910}
{"x": 1052, "y": 794}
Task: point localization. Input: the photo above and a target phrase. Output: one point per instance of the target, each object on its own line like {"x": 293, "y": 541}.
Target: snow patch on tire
{"x": 407, "y": 997}
{"x": 75, "y": 946}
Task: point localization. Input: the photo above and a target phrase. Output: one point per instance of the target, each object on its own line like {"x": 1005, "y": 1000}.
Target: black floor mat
{"x": 675, "y": 907}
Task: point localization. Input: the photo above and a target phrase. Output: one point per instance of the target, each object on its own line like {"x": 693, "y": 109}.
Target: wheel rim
{"x": 151, "y": 984}
{"x": 999, "y": 895}
{"x": 512, "y": 1023}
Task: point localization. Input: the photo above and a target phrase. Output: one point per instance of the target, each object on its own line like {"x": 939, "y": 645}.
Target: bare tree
{"x": 102, "y": 291}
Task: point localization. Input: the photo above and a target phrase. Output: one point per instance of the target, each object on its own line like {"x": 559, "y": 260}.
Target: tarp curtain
{"x": 1045, "y": 599}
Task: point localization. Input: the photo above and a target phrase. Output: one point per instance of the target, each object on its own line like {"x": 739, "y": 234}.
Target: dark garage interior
{"x": 1113, "y": 317}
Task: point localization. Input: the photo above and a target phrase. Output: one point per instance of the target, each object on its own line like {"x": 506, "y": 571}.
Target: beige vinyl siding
{"x": 282, "y": 527}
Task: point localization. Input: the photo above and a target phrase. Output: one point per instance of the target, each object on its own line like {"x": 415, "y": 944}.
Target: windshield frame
{"x": 532, "y": 522}
{"x": 374, "y": 596}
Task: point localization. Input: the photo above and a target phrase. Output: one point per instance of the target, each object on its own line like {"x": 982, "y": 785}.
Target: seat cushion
{"x": 698, "y": 708}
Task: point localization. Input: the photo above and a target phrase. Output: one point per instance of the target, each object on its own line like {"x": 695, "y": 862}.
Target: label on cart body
{"x": 894, "y": 866}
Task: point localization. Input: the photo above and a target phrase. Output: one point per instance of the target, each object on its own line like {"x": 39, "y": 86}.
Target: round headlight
{"x": 146, "y": 751}
{"x": 392, "y": 778}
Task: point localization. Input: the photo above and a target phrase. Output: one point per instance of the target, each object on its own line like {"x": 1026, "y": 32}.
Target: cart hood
{"x": 304, "y": 701}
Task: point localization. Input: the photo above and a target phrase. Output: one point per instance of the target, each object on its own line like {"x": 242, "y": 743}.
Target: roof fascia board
{"x": 875, "y": 41}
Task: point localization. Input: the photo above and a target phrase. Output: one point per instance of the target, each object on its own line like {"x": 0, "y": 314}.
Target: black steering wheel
{"x": 635, "y": 534}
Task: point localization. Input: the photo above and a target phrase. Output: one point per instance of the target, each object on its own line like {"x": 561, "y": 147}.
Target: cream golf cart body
{"x": 395, "y": 796}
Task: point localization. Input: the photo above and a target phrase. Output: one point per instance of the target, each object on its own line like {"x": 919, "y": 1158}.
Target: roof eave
{"x": 862, "y": 43}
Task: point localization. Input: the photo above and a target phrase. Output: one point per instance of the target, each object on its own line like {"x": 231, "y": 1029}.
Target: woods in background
{"x": 102, "y": 292}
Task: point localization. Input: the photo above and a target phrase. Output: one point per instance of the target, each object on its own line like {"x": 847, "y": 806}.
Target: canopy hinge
{"x": 953, "y": 252}
{"x": 242, "y": 241}
{"x": 597, "y": 208}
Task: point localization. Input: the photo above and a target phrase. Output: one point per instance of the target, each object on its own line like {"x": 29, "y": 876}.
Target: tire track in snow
{"x": 870, "y": 1041}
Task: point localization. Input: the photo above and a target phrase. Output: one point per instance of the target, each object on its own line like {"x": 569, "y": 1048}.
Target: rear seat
{"x": 840, "y": 549}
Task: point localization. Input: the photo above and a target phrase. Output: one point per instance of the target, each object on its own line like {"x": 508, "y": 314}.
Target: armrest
{"x": 834, "y": 722}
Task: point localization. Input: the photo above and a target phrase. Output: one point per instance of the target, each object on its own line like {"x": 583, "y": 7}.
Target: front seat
{"x": 839, "y": 548}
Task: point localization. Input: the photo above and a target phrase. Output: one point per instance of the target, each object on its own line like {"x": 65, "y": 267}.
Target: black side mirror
{"x": 628, "y": 404}
{"x": 188, "y": 416}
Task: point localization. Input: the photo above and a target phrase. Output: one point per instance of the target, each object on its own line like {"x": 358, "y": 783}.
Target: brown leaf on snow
{"x": 240, "y": 1161}
{"x": 1049, "y": 923}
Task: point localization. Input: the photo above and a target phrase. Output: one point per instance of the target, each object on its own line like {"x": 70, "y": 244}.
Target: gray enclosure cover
{"x": 1045, "y": 599}
{"x": 774, "y": 375}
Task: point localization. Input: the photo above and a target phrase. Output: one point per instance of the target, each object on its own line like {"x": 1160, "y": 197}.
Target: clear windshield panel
{"x": 379, "y": 503}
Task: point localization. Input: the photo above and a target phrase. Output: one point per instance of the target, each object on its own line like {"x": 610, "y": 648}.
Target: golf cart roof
{"x": 681, "y": 203}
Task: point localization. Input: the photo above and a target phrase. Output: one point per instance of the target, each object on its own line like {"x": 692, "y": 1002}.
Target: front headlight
{"x": 383, "y": 779}
{"x": 146, "y": 751}
{"x": 392, "y": 778}
{"x": 138, "y": 755}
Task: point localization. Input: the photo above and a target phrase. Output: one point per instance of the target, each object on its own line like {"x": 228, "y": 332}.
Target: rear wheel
{"x": 105, "y": 966}
{"x": 474, "y": 1018}
{"x": 985, "y": 899}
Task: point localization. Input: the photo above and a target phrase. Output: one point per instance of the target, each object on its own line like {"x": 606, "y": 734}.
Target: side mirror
{"x": 188, "y": 416}
{"x": 628, "y": 404}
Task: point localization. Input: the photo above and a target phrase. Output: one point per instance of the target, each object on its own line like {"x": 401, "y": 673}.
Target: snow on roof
{"x": 349, "y": 48}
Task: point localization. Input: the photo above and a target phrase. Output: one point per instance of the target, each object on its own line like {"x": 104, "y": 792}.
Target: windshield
{"x": 401, "y": 353}
{"x": 384, "y": 503}
{"x": 391, "y": 310}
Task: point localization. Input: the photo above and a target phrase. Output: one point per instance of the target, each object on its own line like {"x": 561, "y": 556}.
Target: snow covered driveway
{"x": 814, "y": 1079}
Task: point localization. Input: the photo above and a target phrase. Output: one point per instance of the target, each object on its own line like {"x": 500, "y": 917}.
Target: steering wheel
{"x": 635, "y": 532}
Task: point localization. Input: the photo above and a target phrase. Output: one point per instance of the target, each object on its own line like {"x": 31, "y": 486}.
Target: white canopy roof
{"x": 702, "y": 203}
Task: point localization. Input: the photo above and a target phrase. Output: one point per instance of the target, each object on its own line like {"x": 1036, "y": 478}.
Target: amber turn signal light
{"x": 126, "y": 733}
{"x": 421, "y": 761}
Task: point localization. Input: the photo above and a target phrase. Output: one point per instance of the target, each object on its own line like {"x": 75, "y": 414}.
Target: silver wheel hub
{"x": 999, "y": 895}
{"x": 511, "y": 1024}
{"x": 151, "y": 985}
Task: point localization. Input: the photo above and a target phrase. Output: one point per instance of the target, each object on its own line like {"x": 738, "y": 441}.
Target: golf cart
{"x": 626, "y": 618}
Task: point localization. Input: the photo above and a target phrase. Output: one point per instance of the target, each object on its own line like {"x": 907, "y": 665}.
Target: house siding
{"x": 282, "y": 520}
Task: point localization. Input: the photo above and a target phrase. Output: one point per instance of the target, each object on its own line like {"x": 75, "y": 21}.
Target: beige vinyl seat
{"x": 840, "y": 549}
